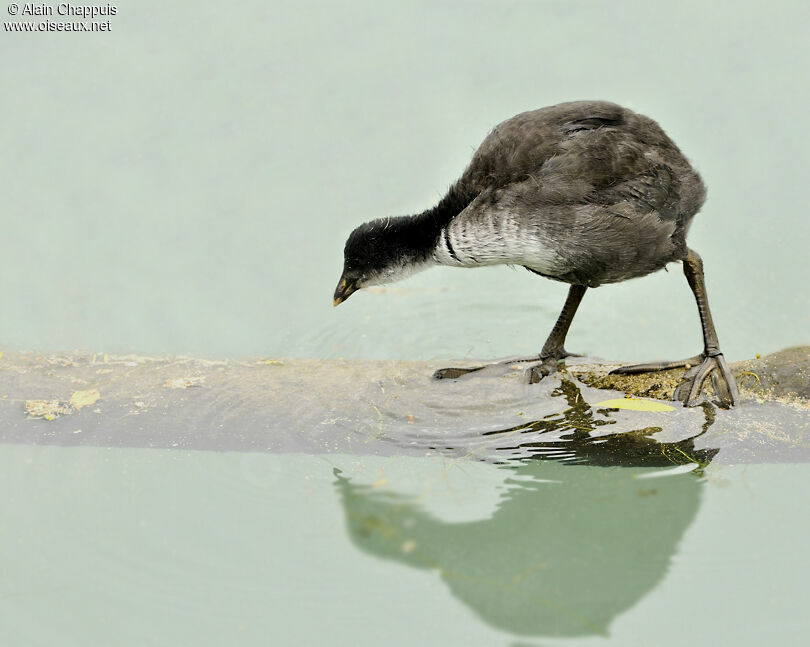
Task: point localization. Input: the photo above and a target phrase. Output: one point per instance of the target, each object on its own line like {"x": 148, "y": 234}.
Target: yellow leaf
{"x": 81, "y": 399}
{"x": 635, "y": 404}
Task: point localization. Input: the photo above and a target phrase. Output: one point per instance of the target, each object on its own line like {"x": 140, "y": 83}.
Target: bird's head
{"x": 380, "y": 251}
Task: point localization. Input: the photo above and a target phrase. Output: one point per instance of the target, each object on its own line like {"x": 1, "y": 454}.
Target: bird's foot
{"x": 723, "y": 383}
{"x": 452, "y": 373}
{"x": 699, "y": 369}
{"x": 456, "y": 372}
{"x": 657, "y": 366}
{"x": 538, "y": 367}
{"x": 546, "y": 366}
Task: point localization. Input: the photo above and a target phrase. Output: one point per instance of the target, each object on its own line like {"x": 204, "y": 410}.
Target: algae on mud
{"x": 782, "y": 376}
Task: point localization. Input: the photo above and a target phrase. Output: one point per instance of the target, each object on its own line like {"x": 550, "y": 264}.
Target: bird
{"x": 587, "y": 193}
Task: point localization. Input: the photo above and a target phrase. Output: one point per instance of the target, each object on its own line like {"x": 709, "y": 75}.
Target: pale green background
{"x": 185, "y": 183}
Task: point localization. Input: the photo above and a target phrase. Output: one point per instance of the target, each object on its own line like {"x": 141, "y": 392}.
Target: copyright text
{"x": 75, "y": 15}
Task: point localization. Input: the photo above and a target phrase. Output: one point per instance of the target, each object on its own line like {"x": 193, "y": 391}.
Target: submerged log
{"x": 394, "y": 407}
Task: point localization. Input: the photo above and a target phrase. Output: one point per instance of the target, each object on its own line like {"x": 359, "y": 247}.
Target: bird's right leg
{"x": 553, "y": 350}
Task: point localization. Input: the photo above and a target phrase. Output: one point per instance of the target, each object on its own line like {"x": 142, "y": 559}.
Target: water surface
{"x": 171, "y": 547}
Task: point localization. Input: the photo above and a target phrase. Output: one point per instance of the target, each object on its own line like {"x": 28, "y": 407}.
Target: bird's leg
{"x": 553, "y": 350}
{"x": 710, "y": 363}
{"x": 713, "y": 364}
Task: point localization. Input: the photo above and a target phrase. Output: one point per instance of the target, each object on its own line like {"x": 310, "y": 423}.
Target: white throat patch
{"x": 497, "y": 240}
{"x": 397, "y": 272}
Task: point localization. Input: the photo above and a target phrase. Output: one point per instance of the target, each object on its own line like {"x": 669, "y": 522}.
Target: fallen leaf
{"x": 635, "y": 404}
{"x": 81, "y": 399}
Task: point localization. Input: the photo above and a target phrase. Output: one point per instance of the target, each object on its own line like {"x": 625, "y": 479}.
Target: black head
{"x": 381, "y": 251}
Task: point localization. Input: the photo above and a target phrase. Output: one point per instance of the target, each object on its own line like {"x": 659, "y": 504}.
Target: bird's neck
{"x": 410, "y": 242}
{"x": 417, "y": 236}
{"x": 412, "y": 239}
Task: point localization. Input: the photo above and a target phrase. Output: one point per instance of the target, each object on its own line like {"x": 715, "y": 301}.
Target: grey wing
{"x": 576, "y": 242}
{"x": 630, "y": 170}
{"x": 652, "y": 190}
{"x": 519, "y": 147}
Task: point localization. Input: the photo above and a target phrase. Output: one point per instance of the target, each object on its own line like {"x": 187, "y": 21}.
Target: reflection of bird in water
{"x": 586, "y": 193}
{"x": 568, "y": 549}
{"x": 634, "y": 448}
{"x": 578, "y": 433}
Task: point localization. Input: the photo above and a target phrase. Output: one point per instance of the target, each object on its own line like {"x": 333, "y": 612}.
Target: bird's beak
{"x": 344, "y": 290}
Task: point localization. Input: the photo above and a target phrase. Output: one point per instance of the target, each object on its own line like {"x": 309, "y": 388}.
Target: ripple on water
{"x": 493, "y": 416}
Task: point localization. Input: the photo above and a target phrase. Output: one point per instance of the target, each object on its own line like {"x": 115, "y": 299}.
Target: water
{"x": 183, "y": 185}
{"x": 163, "y": 547}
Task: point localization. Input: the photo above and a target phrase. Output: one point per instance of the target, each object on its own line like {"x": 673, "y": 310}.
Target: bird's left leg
{"x": 553, "y": 350}
{"x": 710, "y": 363}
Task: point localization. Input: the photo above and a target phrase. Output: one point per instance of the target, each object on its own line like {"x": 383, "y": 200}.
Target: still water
{"x": 183, "y": 184}
{"x": 163, "y": 547}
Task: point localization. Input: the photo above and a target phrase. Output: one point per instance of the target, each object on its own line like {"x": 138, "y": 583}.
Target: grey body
{"x": 585, "y": 192}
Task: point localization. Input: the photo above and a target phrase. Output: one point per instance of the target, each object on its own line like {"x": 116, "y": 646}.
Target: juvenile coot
{"x": 586, "y": 193}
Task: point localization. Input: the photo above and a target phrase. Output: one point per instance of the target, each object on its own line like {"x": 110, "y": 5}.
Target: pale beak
{"x": 344, "y": 290}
